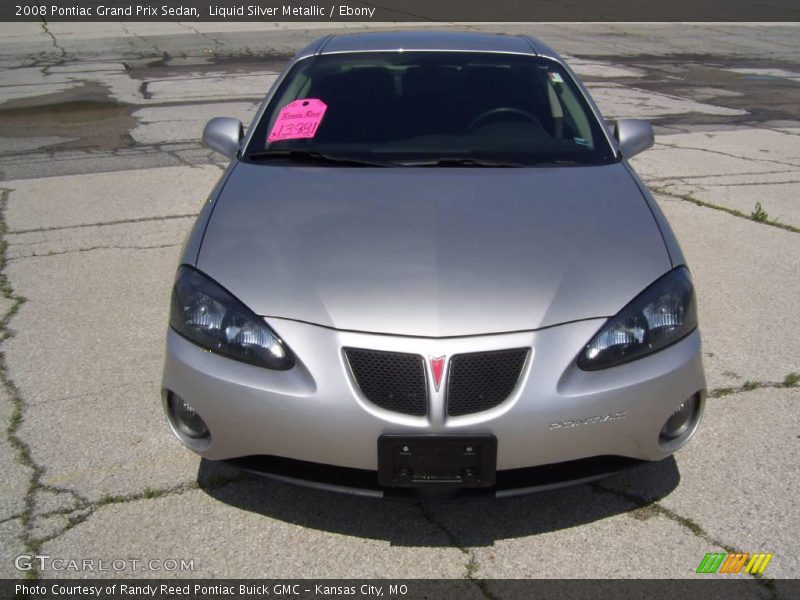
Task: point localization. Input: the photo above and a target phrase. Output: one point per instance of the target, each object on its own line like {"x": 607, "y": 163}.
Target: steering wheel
{"x": 503, "y": 109}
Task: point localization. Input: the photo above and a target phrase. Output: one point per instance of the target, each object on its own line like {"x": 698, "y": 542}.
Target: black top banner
{"x": 403, "y": 10}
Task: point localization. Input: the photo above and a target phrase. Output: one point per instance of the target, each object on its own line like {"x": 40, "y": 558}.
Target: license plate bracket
{"x": 437, "y": 460}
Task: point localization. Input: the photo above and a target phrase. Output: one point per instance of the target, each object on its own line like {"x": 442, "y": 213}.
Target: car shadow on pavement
{"x": 441, "y": 524}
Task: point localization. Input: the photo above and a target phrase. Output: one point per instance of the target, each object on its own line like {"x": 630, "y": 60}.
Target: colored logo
{"x": 720, "y": 562}
{"x": 437, "y": 368}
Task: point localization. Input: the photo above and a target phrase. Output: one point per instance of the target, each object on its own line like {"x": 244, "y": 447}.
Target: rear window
{"x": 409, "y": 108}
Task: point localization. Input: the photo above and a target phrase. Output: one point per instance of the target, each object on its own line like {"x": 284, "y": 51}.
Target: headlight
{"x": 208, "y": 315}
{"x": 661, "y": 315}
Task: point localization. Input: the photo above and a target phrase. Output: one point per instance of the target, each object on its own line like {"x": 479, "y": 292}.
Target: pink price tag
{"x": 298, "y": 119}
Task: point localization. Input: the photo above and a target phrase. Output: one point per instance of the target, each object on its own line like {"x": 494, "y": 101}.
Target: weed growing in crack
{"x": 759, "y": 214}
{"x": 691, "y": 525}
{"x": 722, "y": 392}
{"x": 654, "y": 508}
{"x": 645, "y": 513}
{"x": 108, "y": 499}
{"x": 791, "y": 380}
{"x": 15, "y": 419}
{"x": 471, "y": 567}
{"x": 748, "y": 386}
{"x": 149, "y": 493}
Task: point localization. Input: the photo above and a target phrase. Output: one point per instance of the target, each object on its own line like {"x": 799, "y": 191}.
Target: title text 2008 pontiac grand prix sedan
{"x": 429, "y": 268}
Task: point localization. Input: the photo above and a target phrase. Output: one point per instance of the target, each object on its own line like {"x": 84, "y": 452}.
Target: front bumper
{"x": 360, "y": 482}
{"x": 314, "y": 413}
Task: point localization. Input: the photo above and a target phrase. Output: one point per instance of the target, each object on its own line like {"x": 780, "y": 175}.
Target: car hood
{"x": 433, "y": 252}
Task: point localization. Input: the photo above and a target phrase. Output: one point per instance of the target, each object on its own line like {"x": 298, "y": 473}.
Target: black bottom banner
{"x": 409, "y": 589}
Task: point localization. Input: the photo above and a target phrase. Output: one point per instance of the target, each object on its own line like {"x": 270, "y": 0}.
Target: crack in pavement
{"x": 686, "y": 178}
{"x": 131, "y": 149}
{"x": 81, "y": 512}
{"x": 792, "y": 133}
{"x": 471, "y": 566}
{"x": 686, "y": 522}
{"x": 56, "y": 45}
{"x": 789, "y": 382}
{"x": 210, "y": 38}
{"x": 11, "y": 518}
{"x": 723, "y": 185}
{"x": 183, "y": 162}
{"x": 84, "y": 508}
{"x": 90, "y": 249}
{"x": 731, "y": 211}
{"x": 41, "y": 163}
{"x": 730, "y": 155}
{"x": 102, "y": 223}
{"x": 129, "y": 34}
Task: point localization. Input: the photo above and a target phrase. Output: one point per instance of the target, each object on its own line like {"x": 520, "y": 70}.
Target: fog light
{"x": 681, "y": 420}
{"x": 185, "y": 417}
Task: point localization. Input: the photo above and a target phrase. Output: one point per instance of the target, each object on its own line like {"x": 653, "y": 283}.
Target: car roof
{"x": 387, "y": 41}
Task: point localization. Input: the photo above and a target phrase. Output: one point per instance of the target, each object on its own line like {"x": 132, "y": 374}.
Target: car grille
{"x": 482, "y": 380}
{"x": 392, "y": 380}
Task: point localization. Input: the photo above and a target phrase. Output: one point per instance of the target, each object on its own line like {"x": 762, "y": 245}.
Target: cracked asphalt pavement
{"x": 102, "y": 175}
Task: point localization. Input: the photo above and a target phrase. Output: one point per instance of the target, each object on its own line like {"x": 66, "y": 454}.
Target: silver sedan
{"x": 430, "y": 269}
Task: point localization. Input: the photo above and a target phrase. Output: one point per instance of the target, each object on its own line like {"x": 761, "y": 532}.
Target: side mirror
{"x": 634, "y": 136}
{"x": 224, "y": 134}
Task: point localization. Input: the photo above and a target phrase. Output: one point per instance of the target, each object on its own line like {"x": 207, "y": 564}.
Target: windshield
{"x": 430, "y": 109}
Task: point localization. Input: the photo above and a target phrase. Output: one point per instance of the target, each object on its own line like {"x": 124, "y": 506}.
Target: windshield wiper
{"x": 308, "y": 156}
{"x": 475, "y": 162}
{"x": 461, "y": 162}
{"x": 556, "y": 163}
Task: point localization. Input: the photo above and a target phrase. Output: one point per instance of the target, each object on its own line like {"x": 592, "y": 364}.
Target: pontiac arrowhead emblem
{"x": 437, "y": 368}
